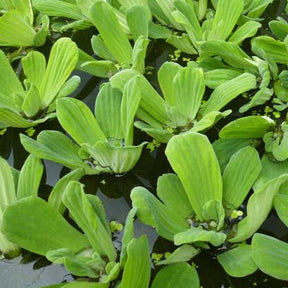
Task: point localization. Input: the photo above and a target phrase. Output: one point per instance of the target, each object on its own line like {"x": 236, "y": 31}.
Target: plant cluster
{"x": 222, "y": 190}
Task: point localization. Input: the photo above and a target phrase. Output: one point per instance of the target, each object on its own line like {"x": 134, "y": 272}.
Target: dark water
{"x": 30, "y": 271}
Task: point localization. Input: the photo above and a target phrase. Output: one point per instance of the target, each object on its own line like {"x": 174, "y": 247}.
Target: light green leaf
{"x": 120, "y": 79}
{"x": 238, "y": 261}
{"x": 129, "y": 106}
{"x": 157, "y": 31}
{"x": 30, "y": 177}
{"x": 62, "y": 60}
{"x": 189, "y": 88}
{"x": 279, "y": 28}
{"x": 105, "y": 20}
{"x": 182, "y": 254}
{"x": 228, "y": 91}
{"x": 15, "y": 31}
{"x": 137, "y": 19}
{"x": 154, "y": 213}
{"x": 166, "y": 74}
{"x": 13, "y": 119}
{"x": 271, "y": 256}
{"x": 177, "y": 275}
{"x": 239, "y": 176}
{"x": 269, "y": 48}
{"x": 226, "y": 17}
{"x": 197, "y": 234}
{"x": 70, "y": 86}
{"x": 108, "y": 113}
{"x": 258, "y": 208}
{"x": 247, "y": 127}
{"x": 99, "y": 49}
{"x": 182, "y": 43}
{"x": 98, "y": 68}
{"x": 281, "y": 207}
{"x": 213, "y": 211}
{"x": 56, "y": 195}
{"x": 32, "y": 102}
{"x": 87, "y": 219}
{"x": 197, "y": 167}
{"x": 137, "y": 269}
{"x": 247, "y": 30}
{"x": 216, "y": 77}
{"x": 34, "y": 66}
{"x": 54, "y": 146}
{"x": 77, "y": 119}
{"x": 41, "y": 231}
{"x": 171, "y": 191}
{"x": 139, "y": 54}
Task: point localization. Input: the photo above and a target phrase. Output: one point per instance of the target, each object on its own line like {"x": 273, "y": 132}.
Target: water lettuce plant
{"x": 104, "y": 141}
{"x": 201, "y": 205}
{"x": 182, "y": 108}
{"x": 35, "y": 102}
{"x": 18, "y": 28}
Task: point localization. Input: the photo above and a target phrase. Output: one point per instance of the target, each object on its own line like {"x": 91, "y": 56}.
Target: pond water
{"x": 31, "y": 271}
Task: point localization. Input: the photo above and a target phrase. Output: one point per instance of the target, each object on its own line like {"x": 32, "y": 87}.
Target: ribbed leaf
{"x": 182, "y": 43}
{"x": 107, "y": 111}
{"x": 70, "y": 86}
{"x": 176, "y": 276}
{"x": 281, "y": 207}
{"x": 154, "y": 213}
{"x": 226, "y": 17}
{"x": 32, "y": 102}
{"x": 9, "y": 83}
{"x": 258, "y": 208}
{"x": 269, "y": 48}
{"x": 270, "y": 255}
{"x": 247, "y": 127}
{"x": 129, "y": 106}
{"x": 13, "y": 119}
{"x": 34, "y": 66}
{"x": 77, "y": 119}
{"x": 238, "y": 261}
{"x": 87, "y": 219}
{"x": 105, "y": 20}
{"x": 228, "y": 91}
{"x": 239, "y": 176}
{"x": 30, "y": 177}
{"x": 139, "y": 54}
{"x": 247, "y": 30}
{"x": 170, "y": 190}
{"x": 279, "y": 28}
{"x": 166, "y": 74}
{"x": 214, "y": 78}
{"x": 192, "y": 157}
{"x": 56, "y": 195}
{"x": 15, "y": 31}
{"x": 189, "y": 88}
{"x": 41, "y": 231}
{"x": 62, "y": 61}
{"x": 198, "y": 234}
{"x": 54, "y": 146}
{"x": 137, "y": 268}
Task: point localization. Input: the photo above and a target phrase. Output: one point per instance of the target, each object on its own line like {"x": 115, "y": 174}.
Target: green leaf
{"x": 30, "y": 177}
{"x": 137, "y": 19}
{"x": 189, "y": 88}
{"x": 247, "y": 30}
{"x": 77, "y": 119}
{"x": 137, "y": 269}
{"x": 56, "y": 195}
{"x": 139, "y": 54}
{"x": 166, "y": 74}
{"x": 87, "y": 219}
{"x": 182, "y": 254}
{"x": 32, "y": 102}
{"x": 9, "y": 83}
{"x": 247, "y": 127}
{"x": 154, "y": 213}
{"x": 170, "y": 190}
{"x": 11, "y": 118}
{"x": 270, "y": 255}
{"x": 197, "y": 167}
{"x": 129, "y": 106}
{"x": 70, "y": 86}
{"x": 258, "y": 208}
{"x": 216, "y": 77}
{"x": 238, "y": 261}
{"x": 108, "y": 112}
{"x": 157, "y": 31}
{"x": 113, "y": 159}
{"x": 120, "y": 79}
{"x": 228, "y": 91}
{"x": 34, "y": 66}
{"x": 226, "y": 17}
{"x": 99, "y": 49}
{"x": 239, "y": 176}
{"x": 279, "y": 28}
{"x": 54, "y": 146}
{"x": 213, "y": 211}
{"x": 41, "y": 231}
{"x": 62, "y": 61}
{"x": 15, "y": 31}
{"x": 281, "y": 207}
{"x": 182, "y": 43}
{"x": 177, "y": 275}
{"x": 268, "y": 48}
{"x": 105, "y": 20}
{"x": 198, "y": 234}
